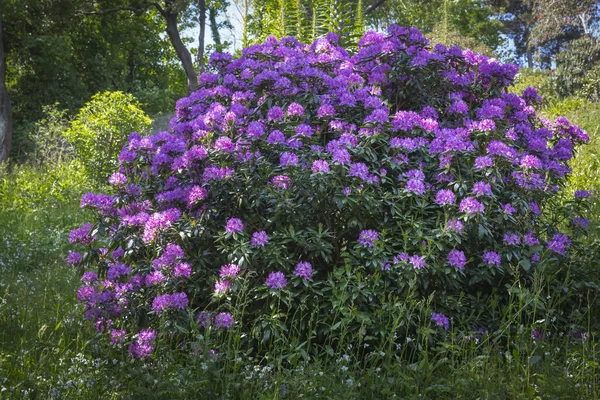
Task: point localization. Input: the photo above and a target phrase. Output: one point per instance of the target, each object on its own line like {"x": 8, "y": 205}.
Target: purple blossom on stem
{"x": 445, "y": 197}
{"x": 281, "y": 182}
{"x": 471, "y": 205}
{"x": 223, "y": 320}
{"x": 259, "y": 239}
{"x": 229, "y": 271}
{"x": 234, "y": 225}
{"x": 457, "y": 258}
{"x": 417, "y": 261}
{"x": 320, "y": 166}
{"x": 559, "y": 243}
{"x": 511, "y": 239}
{"x": 222, "y": 286}
{"x": 492, "y": 258}
{"x": 276, "y": 280}
{"x": 440, "y": 320}
{"x": 304, "y": 270}
{"x": 368, "y": 237}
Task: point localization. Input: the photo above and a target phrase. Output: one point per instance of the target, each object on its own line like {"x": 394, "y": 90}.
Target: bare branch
{"x": 374, "y": 6}
{"x": 136, "y": 10}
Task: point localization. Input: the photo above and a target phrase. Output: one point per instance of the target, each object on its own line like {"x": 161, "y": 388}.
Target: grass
{"x": 48, "y": 351}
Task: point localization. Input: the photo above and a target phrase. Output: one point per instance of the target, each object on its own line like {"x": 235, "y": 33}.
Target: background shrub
{"x": 100, "y": 129}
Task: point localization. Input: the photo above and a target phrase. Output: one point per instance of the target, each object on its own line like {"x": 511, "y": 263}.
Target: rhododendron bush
{"x": 300, "y": 186}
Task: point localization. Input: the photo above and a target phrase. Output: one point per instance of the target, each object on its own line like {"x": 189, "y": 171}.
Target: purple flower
{"x": 320, "y": 166}
{"x": 535, "y": 258}
{"x": 140, "y": 349}
{"x": 341, "y": 156}
{"x": 154, "y": 278}
{"x": 81, "y": 234}
{"x": 259, "y": 239}
{"x": 281, "y": 182}
{"x": 287, "y": 159}
{"x": 234, "y": 225}
{"x": 538, "y": 334}
{"x": 304, "y": 270}
{"x": 223, "y": 320}
{"x": 89, "y": 276}
{"x": 326, "y": 110}
{"x": 456, "y": 258}
{"x": 359, "y": 170}
{"x": 401, "y": 257}
{"x": 581, "y": 222}
{"x": 276, "y": 280}
{"x": 417, "y": 261}
{"x": 276, "y": 137}
{"x": 117, "y": 336}
{"x": 559, "y": 243}
{"x": 533, "y": 206}
{"x": 582, "y": 194}
{"x": 471, "y": 205}
{"x": 508, "y": 209}
{"x": 347, "y": 191}
{"x": 229, "y": 271}
{"x": 492, "y": 258}
{"x": 222, "y": 286}
{"x": 295, "y": 110}
{"x": 529, "y": 161}
{"x": 482, "y": 189}
{"x": 158, "y": 222}
{"x": 117, "y": 179}
{"x": 74, "y": 258}
{"x": 415, "y": 186}
{"x": 511, "y": 239}
{"x": 440, "y": 320}
{"x": 182, "y": 269}
{"x": 444, "y": 197}
{"x": 455, "y": 226}
{"x": 368, "y": 237}
{"x": 529, "y": 239}
{"x": 224, "y": 143}
{"x": 275, "y": 113}
{"x": 483, "y": 162}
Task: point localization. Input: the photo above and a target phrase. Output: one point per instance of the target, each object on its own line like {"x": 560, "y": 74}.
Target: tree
{"x": 518, "y": 19}
{"x": 5, "y": 109}
{"x": 469, "y": 18}
{"x": 170, "y": 11}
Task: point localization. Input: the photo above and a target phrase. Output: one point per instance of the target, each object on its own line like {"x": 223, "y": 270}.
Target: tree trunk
{"x": 5, "y": 110}
{"x": 214, "y": 27}
{"x": 202, "y": 21}
{"x": 182, "y": 51}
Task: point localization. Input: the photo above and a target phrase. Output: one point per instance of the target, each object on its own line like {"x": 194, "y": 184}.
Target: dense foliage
{"x": 100, "y": 130}
{"x": 302, "y": 187}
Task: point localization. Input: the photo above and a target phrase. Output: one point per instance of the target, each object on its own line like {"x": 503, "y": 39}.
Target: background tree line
{"x": 64, "y": 51}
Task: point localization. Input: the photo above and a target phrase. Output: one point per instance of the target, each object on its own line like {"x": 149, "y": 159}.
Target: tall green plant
{"x": 100, "y": 130}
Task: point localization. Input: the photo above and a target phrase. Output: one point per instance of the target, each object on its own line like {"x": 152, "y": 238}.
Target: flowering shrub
{"x": 300, "y": 180}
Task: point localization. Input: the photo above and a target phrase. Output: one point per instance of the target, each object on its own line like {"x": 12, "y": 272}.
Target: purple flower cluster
{"x": 457, "y": 258}
{"x": 234, "y": 225}
{"x": 163, "y": 302}
{"x": 276, "y": 280}
{"x": 441, "y": 320}
{"x": 259, "y": 239}
{"x": 142, "y": 347}
{"x": 304, "y": 270}
{"x": 368, "y": 237}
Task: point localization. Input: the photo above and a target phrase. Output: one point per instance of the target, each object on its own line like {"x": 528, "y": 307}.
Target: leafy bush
{"x": 100, "y": 130}
{"x": 304, "y": 194}
{"x": 578, "y": 69}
